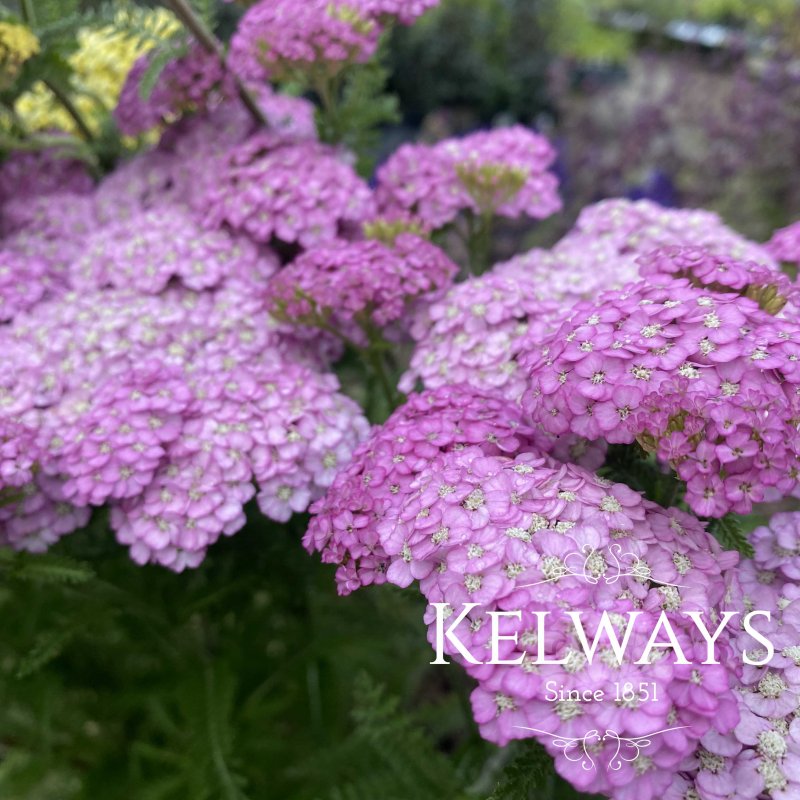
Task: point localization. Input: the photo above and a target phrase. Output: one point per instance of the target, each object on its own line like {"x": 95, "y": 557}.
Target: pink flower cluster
{"x": 276, "y": 36}
{"x": 453, "y": 492}
{"x": 141, "y": 369}
{"x": 641, "y": 226}
{"x": 187, "y": 83}
{"x": 153, "y": 247}
{"x": 301, "y": 193}
{"x": 760, "y": 758}
{"x": 346, "y": 527}
{"x": 479, "y": 330}
{"x": 127, "y": 391}
{"x": 281, "y": 38}
{"x": 707, "y": 380}
{"x": 785, "y": 244}
{"x": 367, "y": 282}
{"x": 503, "y": 172}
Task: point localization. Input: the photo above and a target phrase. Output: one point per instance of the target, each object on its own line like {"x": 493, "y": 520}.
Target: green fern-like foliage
{"x": 732, "y": 534}
{"x": 247, "y": 678}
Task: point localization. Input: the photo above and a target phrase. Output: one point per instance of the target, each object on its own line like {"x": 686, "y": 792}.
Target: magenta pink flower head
{"x": 277, "y": 37}
{"x": 368, "y": 282}
{"x": 760, "y": 757}
{"x": 777, "y": 545}
{"x": 346, "y": 526}
{"x": 770, "y": 288}
{"x": 296, "y": 193}
{"x": 707, "y": 380}
{"x": 432, "y": 496}
{"x": 186, "y": 83}
{"x": 785, "y": 244}
{"x": 405, "y": 12}
{"x": 523, "y": 533}
{"x": 23, "y": 283}
{"x": 280, "y": 425}
{"x": 477, "y": 331}
{"x": 503, "y": 172}
{"x": 640, "y": 226}
{"x": 153, "y": 247}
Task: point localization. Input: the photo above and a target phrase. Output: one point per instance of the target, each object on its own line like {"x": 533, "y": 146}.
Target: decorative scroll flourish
{"x": 581, "y": 749}
{"x": 580, "y": 564}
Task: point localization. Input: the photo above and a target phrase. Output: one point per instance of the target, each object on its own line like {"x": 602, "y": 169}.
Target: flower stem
{"x": 479, "y": 241}
{"x": 375, "y": 360}
{"x": 192, "y": 22}
{"x": 63, "y": 97}
{"x": 28, "y": 13}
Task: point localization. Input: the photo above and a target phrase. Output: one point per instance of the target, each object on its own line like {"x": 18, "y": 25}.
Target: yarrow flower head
{"x": 405, "y": 12}
{"x": 276, "y": 37}
{"x": 187, "y": 83}
{"x": 641, "y": 226}
{"x": 153, "y": 247}
{"x": 770, "y": 288}
{"x": 281, "y": 426}
{"x": 22, "y": 283}
{"x": 707, "y": 380}
{"x": 477, "y": 331}
{"x": 506, "y": 527}
{"x": 174, "y": 409}
{"x": 502, "y": 172}
{"x": 785, "y": 244}
{"x": 760, "y": 757}
{"x": 17, "y": 44}
{"x": 368, "y": 490}
{"x": 777, "y": 545}
{"x": 364, "y": 281}
{"x": 611, "y": 241}
{"x": 296, "y": 193}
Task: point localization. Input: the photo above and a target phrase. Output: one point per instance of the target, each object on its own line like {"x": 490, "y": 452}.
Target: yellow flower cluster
{"x": 101, "y": 64}
{"x": 17, "y": 44}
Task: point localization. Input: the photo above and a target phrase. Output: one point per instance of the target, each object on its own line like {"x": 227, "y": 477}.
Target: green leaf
{"x": 526, "y": 776}
{"x": 157, "y": 62}
{"x": 49, "y": 645}
{"x": 46, "y": 568}
{"x": 731, "y": 535}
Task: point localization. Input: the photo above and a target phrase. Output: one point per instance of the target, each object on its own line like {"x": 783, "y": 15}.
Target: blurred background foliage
{"x": 249, "y": 677}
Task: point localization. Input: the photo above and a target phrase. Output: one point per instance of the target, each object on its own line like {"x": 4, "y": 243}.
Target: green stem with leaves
{"x": 328, "y": 88}
{"x": 195, "y": 25}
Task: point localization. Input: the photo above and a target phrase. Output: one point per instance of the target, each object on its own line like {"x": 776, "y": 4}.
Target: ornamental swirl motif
{"x": 614, "y": 558}
{"x": 577, "y": 749}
